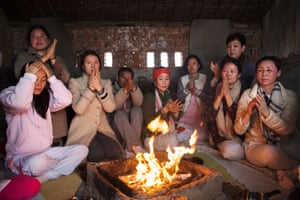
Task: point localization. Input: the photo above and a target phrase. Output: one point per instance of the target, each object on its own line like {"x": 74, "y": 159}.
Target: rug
{"x": 267, "y": 171}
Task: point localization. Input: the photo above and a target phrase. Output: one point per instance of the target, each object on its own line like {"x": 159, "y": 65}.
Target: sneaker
{"x": 138, "y": 149}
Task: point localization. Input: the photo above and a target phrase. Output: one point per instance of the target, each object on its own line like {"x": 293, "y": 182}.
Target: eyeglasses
{"x": 262, "y": 71}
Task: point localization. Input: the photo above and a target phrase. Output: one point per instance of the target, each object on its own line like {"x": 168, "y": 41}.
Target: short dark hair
{"x": 34, "y": 27}
{"x": 274, "y": 59}
{"x": 228, "y": 59}
{"x": 184, "y": 67}
{"x": 126, "y": 69}
{"x": 87, "y": 53}
{"x": 236, "y": 36}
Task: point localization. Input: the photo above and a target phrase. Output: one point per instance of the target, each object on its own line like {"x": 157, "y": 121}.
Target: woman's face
{"x": 91, "y": 64}
{"x": 230, "y": 73}
{"x": 267, "y": 73}
{"x": 235, "y": 49}
{"x": 123, "y": 78}
{"x": 39, "y": 40}
{"x": 40, "y": 82}
{"x": 162, "y": 82}
{"x": 193, "y": 66}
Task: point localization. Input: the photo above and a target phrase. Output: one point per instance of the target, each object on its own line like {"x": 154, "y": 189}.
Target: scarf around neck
{"x": 275, "y": 103}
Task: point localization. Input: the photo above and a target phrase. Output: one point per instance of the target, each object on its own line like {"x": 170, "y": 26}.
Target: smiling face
{"x": 267, "y": 73}
{"x": 40, "y": 82}
{"x": 91, "y": 63}
{"x": 162, "y": 82}
{"x": 39, "y": 39}
{"x": 235, "y": 49}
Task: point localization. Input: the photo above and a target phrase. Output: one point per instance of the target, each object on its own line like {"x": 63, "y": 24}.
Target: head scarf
{"x": 159, "y": 71}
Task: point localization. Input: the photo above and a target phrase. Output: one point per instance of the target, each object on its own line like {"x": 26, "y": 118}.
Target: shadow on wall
{"x": 290, "y": 79}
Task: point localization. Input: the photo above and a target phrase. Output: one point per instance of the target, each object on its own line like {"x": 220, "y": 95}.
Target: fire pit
{"x": 105, "y": 180}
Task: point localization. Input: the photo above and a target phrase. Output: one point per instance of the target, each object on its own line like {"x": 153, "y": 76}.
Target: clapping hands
{"x": 94, "y": 83}
{"x": 173, "y": 106}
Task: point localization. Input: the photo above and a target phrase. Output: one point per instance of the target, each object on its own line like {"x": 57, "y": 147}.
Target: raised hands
{"x": 130, "y": 86}
{"x": 94, "y": 83}
{"x": 191, "y": 86}
{"x": 50, "y": 53}
{"x": 172, "y": 106}
{"x": 36, "y": 66}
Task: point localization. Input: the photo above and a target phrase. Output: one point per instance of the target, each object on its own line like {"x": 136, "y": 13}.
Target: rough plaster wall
{"x": 207, "y": 40}
{"x": 281, "y": 29}
{"x": 281, "y": 38}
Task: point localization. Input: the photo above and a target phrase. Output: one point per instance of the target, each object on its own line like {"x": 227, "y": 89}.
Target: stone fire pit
{"x": 104, "y": 183}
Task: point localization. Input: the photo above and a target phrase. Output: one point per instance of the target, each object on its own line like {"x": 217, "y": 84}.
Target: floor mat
{"x": 267, "y": 171}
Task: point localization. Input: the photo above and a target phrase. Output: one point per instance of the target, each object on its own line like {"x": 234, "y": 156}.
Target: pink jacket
{"x": 27, "y": 132}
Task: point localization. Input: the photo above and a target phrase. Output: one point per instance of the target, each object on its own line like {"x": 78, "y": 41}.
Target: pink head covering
{"x": 159, "y": 71}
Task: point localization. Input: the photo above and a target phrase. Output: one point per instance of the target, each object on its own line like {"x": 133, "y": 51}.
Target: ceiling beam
{"x": 192, "y": 9}
{"x": 201, "y": 9}
{"x": 174, "y": 10}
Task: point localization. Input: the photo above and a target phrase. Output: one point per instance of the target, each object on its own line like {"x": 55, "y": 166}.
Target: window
{"x": 108, "y": 62}
{"x": 150, "y": 59}
{"x": 164, "y": 59}
{"x": 178, "y": 59}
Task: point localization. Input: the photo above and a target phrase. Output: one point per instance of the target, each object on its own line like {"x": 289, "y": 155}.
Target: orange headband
{"x": 159, "y": 71}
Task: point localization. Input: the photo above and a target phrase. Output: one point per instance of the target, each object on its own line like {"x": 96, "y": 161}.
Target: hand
{"x": 214, "y": 67}
{"x": 94, "y": 83}
{"x": 251, "y": 105}
{"x": 34, "y": 67}
{"x": 130, "y": 86}
{"x": 191, "y": 86}
{"x": 50, "y": 53}
{"x": 262, "y": 105}
{"x": 174, "y": 106}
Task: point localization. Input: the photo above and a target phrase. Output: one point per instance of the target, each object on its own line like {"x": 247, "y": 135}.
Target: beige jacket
{"x": 90, "y": 112}
{"x": 283, "y": 124}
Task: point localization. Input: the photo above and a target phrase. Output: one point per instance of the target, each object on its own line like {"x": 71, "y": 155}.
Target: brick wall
{"x": 129, "y": 44}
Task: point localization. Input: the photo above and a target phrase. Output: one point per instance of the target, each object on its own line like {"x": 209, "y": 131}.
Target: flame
{"x": 158, "y": 125}
{"x": 152, "y": 174}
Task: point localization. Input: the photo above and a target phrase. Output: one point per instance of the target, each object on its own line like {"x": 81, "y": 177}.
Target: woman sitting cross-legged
{"x": 28, "y": 107}
{"x": 267, "y": 115}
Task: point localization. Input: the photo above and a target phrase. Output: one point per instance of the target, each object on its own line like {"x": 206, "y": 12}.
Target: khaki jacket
{"x": 90, "y": 112}
{"x": 283, "y": 124}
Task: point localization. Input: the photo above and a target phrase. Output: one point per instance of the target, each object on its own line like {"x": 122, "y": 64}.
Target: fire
{"x": 158, "y": 126}
{"x": 152, "y": 174}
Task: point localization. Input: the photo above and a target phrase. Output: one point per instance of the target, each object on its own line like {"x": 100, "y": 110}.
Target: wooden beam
{"x": 174, "y": 10}
{"x": 192, "y": 9}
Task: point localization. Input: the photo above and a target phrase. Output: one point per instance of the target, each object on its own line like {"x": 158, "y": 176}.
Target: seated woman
{"x": 267, "y": 115}
{"x": 28, "y": 107}
{"x": 92, "y": 98}
{"x": 190, "y": 88}
{"x": 228, "y": 93}
{"x": 160, "y": 103}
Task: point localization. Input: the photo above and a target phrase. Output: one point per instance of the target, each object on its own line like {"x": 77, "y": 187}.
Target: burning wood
{"x": 151, "y": 174}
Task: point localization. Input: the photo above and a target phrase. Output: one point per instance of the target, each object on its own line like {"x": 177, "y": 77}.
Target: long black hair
{"x": 41, "y": 101}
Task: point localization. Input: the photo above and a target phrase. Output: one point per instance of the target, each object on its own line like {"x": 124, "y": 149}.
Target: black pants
{"x": 103, "y": 148}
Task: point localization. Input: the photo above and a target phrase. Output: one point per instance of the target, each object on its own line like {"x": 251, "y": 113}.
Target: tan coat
{"x": 283, "y": 124}
{"x": 90, "y": 112}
